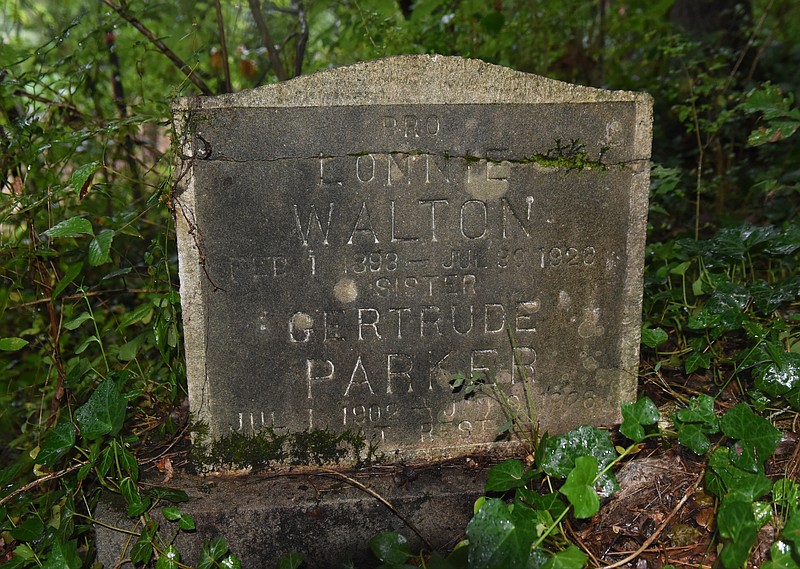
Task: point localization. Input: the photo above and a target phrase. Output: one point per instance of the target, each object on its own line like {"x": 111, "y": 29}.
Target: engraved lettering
{"x": 332, "y": 324}
{"x": 433, "y": 204}
{"x": 365, "y": 168}
{"x": 358, "y": 369}
{"x": 363, "y": 322}
{"x": 523, "y": 359}
{"x": 473, "y": 222}
{"x": 312, "y": 217}
{"x": 425, "y": 319}
{"x": 398, "y": 366}
{"x": 301, "y": 326}
{"x": 483, "y": 361}
{"x": 508, "y": 212}
{"x": 363, "y": 224}
{"x": 395, "y": 166}
{"x": 318, "y": 370}
{"x": 471, "y": 320}
{"x": 523, "y": 322}
{"x": 399, "y": 312}
{"x": 494, "y": 318}
{"x": 394, "y": 237}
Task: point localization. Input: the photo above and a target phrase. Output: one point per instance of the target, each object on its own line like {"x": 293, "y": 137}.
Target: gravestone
{"x": 356, "y": 242}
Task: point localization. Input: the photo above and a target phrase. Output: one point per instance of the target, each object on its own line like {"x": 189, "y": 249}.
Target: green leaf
{"x": 142, "y": 312}
{"x": 291, "y": 560}
{"x": 779, "y": 377}
{"x": 737, "y": 525}
{"x": 692, "y": 437}
{"x": 636, "y": 416}
{"x": 100, "y": 247}
{"x": 653, "y": 337}
{"x": 725, "y": 478}
{"x": 786, "y": 494}
{"x": 73, "y": 270}
{"x": 30, "y": 529}
{"x": 560, "y": 452}
{"x": 757, "y": 437}
{"x": 171, "y": 513}
{"x": 57, "y": 443}
{"x": 579, "y": 487}
{"x": 63, "y": 555}
{"x": 186, "y": 523}
{"x": 214, "y": 551}
{"x": 499, "y": 539}
{"x": 103, "y": 413}
{"x": 12, "y": 344}
{"x": 76, "y": 322}
{"x": 569, "y": 558}
{"x": 507, "y": 475}
{"x": 137, "y": 504}
{"x": 81, "y": 177}
{"x": 781, "y": 557}
{"x": 390, "y": 547}
{"x": 70, "y": 227}
{"x": 697, "y": 359}
{"x": 169, "y": 559}
{"x": 142, "y": 550}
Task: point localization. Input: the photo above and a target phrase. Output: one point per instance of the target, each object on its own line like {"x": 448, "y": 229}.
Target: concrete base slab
{"x": 329, "y": 517}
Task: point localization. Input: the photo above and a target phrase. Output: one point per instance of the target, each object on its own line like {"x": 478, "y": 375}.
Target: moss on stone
{"x": 313, "y": 447}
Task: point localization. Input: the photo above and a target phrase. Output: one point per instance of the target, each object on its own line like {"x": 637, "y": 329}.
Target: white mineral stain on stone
{"x": 488, "y": 180}
{"x": 589, "y": 327}
{"x": 564, "y": 301}
{"x": 345, "y": 290}
{"x": 302, "y": 321}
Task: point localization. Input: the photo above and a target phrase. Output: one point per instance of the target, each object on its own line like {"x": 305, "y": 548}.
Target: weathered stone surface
{"x": 326, "y": 518}
{"x": 351, "y": 240}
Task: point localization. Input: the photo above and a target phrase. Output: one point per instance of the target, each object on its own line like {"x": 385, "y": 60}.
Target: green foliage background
{"x": 92, "y": 366}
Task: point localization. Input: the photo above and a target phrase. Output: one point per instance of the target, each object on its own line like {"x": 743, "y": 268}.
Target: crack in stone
{"x": 540, "y": 159}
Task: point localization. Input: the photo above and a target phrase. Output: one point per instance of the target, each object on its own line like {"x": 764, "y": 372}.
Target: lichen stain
{"x": 345, "y": 290}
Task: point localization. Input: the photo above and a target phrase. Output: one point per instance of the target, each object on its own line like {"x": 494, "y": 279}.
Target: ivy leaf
{"x": 100, "y": 247}
{"x": 390, "y": 547}
{"x": 781, "y": 557}
{"x": 737, "y": 525}
{"x": 507, "y": 475}
{"x": 781, "y": 377}
{"x": 498, "y": 538}
{"x": 12, "y": 344}
{"x": 171, "y": 513}
{"x": 212, "y": 552}
{"x": 570, "y": 558}
{"x": 70, "y": 227}
{"x": 637, "y": 416}
{"x": 724, "y": 478}
{"x": 561, "y": 451}
{"x": 697, "y": 359}
{"x": 103, "y": 413}
{"x": 757, "y": 437}
{"x": 291, "y": 560}
{"x": 653, "y": 337}
{"x": 579, "y": 487}
{"x": 695, "y": 422}
{"x": 63, "y": 555}
{"x": 57, "y": 443}
{"x": 170, "y": 558}
{"x": 692, "y": 437}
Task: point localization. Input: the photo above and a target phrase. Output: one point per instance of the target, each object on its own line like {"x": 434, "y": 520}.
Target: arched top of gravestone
{"x": 415, "y": 79}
